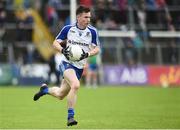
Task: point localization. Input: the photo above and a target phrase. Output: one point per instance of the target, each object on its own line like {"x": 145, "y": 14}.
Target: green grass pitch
{"x": 101, "y": 108}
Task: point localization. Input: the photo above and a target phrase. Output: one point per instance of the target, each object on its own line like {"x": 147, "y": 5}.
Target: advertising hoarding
{"x": 142, "y": 75}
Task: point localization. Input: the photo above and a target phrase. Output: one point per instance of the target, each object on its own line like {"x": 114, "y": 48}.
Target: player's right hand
{"x": 65, "y": 52}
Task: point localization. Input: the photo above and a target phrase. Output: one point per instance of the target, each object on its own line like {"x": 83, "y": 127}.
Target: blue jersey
{"x": 86, "y": 39}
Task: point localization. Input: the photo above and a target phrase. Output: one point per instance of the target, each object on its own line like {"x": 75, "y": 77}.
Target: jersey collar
{"x": 79, "y": 28}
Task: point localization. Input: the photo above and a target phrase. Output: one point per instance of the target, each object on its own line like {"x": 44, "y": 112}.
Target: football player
{"x": 83, "y": 34}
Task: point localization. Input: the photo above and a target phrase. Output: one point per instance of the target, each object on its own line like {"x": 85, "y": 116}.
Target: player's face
{"x": 83, "y": 20}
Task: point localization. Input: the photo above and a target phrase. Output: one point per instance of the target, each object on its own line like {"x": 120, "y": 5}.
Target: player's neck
{"x": 80, "y": 26}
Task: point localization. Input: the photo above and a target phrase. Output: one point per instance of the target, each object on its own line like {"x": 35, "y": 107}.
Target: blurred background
{"x": 140, "y": 41}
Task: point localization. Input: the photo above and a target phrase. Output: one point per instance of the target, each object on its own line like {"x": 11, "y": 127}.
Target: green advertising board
{"x": 6, "y": 74}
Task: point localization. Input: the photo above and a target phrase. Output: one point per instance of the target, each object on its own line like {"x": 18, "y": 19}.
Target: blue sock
{"x": 45, "y": 91}
{"x": 70, "y": 113}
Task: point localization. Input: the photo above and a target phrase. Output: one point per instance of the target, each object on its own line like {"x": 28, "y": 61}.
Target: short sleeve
{"x": 95, "y": 37}
{"x": 63, "y": 33}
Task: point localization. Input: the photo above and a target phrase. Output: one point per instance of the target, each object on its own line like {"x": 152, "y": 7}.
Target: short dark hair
{"x": 82, "y": 9}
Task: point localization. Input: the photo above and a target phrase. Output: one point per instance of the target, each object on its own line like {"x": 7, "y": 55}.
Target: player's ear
{"x": 78, "y": 16}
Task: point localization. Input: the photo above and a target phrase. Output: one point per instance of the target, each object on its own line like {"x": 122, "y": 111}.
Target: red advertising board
{"x": 163, "y": 75}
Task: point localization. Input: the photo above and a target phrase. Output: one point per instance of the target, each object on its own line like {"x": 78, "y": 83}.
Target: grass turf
{"x": 101, "y": 108}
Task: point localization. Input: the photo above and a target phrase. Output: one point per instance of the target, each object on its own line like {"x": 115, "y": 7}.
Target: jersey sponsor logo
{"x": 77, "y": 43}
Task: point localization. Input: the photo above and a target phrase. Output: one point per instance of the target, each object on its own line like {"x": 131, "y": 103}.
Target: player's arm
{"x": 94, "y": 51}
{"x": 60, "y": 42}
{"x": 61, "y": 47}
{"x": 57, "y": 46}
{"x": 95, "y": 47}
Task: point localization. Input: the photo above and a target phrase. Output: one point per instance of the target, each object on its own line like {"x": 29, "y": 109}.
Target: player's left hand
{"x": 84, "y": 55}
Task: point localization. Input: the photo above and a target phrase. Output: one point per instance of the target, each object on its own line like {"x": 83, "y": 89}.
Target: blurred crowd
{"x": 113, "y": 14}
{"x": 138, "y": 15}
{"x": 141, "y": 16}
{"x": 21, "y": 21}
{"x": 108, "y": 14}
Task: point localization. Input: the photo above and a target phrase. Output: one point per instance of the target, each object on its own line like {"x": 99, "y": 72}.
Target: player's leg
{"x": 43, "y": 91}
{"x": 71, "y": 78}
{"x": 60, "y": 92}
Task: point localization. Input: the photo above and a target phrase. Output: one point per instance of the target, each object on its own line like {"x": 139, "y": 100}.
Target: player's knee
{"x": 75, "y": 85}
